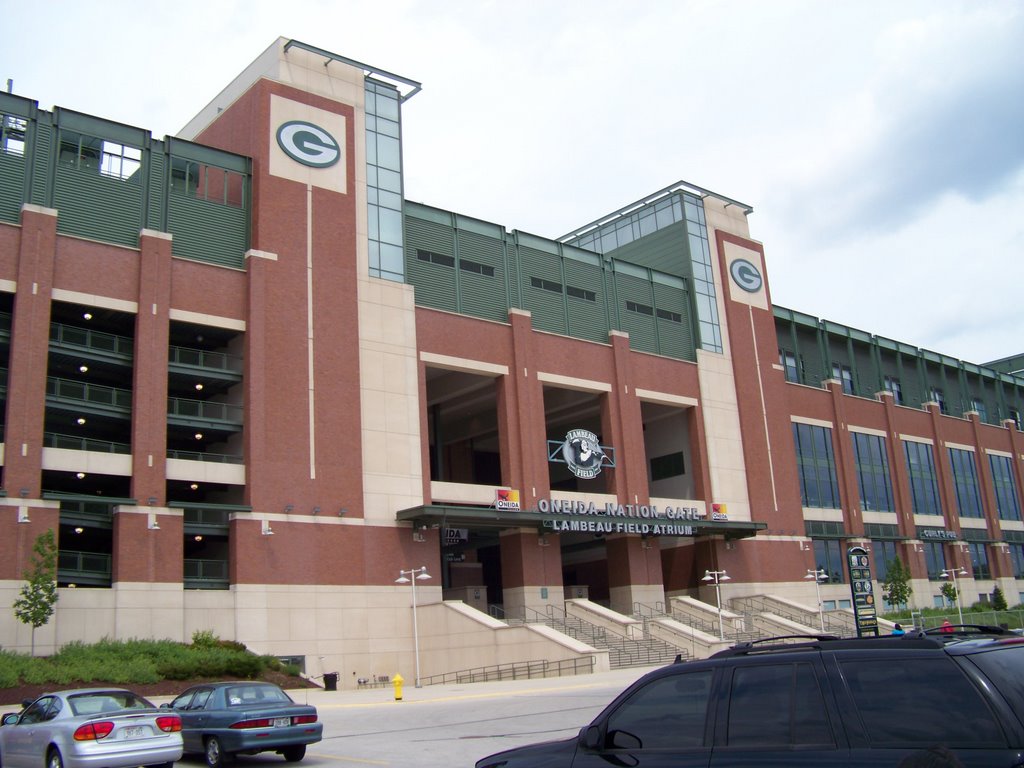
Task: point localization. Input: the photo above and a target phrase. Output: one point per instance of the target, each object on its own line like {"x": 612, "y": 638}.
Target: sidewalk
{"x": 363, "y": 697}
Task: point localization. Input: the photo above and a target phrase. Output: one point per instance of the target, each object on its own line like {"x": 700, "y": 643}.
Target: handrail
{"x": 521, "y": 670}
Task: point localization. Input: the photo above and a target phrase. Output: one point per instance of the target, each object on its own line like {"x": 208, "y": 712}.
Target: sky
{"x": 880, "y": 143}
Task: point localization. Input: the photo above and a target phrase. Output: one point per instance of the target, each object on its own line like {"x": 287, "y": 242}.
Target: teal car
{"x": 221, "y": 720}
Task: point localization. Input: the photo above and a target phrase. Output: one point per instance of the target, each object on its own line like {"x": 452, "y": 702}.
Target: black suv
{"x": 916, "y": 700}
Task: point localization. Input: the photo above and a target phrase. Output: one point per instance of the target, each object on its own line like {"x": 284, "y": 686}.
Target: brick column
{"x": 30, "y": 339}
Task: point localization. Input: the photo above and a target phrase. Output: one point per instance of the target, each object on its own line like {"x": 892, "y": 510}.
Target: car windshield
{"x": 100, "y": 702}
{"x": 248, "y": 695}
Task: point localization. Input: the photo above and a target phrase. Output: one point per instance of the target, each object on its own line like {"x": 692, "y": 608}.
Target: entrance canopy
{"x": 455, "y": 516}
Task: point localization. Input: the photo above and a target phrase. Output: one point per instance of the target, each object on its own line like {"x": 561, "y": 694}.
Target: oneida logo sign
{"x": 308, "y": 144}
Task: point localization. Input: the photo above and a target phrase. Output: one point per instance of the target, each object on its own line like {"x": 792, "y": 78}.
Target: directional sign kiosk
{"x": 863, "y": 592}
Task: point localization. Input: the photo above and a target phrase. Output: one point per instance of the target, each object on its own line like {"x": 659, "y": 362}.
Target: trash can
{"x": 330, "y": 681}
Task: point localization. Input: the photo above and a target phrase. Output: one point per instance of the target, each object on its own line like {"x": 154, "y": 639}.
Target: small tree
{"x": 896, "y": 586}
{"x": 949, "y": 592}
{"x": 39, "y": 595}
{"x": 998, "y": 600}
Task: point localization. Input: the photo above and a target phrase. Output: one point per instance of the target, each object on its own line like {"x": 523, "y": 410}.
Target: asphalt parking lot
{"x": 446, "y": 725}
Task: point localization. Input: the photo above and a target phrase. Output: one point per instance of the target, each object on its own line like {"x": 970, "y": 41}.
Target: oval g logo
{"x": 745, "y": 275}
{"x": 308, "y": 144}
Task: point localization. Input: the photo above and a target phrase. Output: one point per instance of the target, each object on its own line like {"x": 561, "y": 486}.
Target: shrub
{"x": 204, "y": 638}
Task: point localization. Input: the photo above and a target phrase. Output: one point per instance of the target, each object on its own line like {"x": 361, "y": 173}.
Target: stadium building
{"x": 252, "y": 387}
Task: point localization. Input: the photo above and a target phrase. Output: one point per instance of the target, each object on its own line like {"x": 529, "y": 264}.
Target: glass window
{"x": 979, "y": 560}
{"x": 816, "y": 466}
{"x": 845, "y": 375}
{"x": 828, "y": 557}
{"x": 934, "y": 559}
{"x": 965, "y": 483}
{"x": 908, "y": 703}
{"x": 892, "y": 385}
{"x": 12, "y": 134}
{"x": 885, "y": 553}
{"x": 924, "y": 489}
{"x": 977, "y": 404}
{"x": 778, "y": 705}
{"x": 873, "y": 479}
{"x": 788, "y": 362}
{"x": 384, "y": 182}
{"x": 1017, "y": 558}
{"x": 935, "y": 395}
{"x": 667, "y": 713}
{"x": 1007, "y": 502}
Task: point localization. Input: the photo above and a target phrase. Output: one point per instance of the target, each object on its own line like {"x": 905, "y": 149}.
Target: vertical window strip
{"x": 965, "y": 483}
{"x": 816, "y": 466}
{"x": 873, "y": 477}
{"x": 384, "y": 182}
{"x": 924, "y": 488}
{"x": 1007, "y": 503}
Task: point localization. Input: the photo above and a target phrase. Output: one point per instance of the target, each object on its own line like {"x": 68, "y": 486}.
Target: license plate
{"x": 133, "y": 732}
{"x": 282, "y": 722}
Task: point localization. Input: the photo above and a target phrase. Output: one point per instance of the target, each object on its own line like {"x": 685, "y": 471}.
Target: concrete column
{"x": 634, "y": 572}
{"x": 531, "y": 571}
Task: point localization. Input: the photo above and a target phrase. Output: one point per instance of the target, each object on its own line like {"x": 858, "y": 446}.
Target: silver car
{"x": 90, "y": 728}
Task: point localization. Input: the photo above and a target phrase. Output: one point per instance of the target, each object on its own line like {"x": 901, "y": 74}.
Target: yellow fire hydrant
{"x": 397, "y": 680}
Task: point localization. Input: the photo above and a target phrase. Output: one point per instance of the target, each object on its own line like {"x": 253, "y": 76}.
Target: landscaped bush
{"x": 128, "y": 662}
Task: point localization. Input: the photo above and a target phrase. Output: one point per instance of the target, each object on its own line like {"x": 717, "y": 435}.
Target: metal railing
{"x": 522, "y": 670}
{"x": 202, "y": 358}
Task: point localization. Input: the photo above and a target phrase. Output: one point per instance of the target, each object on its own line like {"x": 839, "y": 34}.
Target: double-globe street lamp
{"x": 819, "y": 576}
{"x": 718, "y": 577}
{"x": 952, "y": 573}
{"x": 411, "y": 577}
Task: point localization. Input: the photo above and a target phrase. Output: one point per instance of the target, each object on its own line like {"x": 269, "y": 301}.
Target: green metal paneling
{"x": 865, "y": 372}
{"x": 207, "y": 231}
{"x": 483, "y": 295}
{"x": 156, "y": 192}
{"x": 587, "y": 319}
{"x": 98, "y": 207}
{"x": 640, "y": 327}
{"x": 666, "y": 250}
{"x": 546, "y": 307}
{"x": 41, "y": 162}
{"x": 434, "y": 283}
{"x": 675, "y": 339}
{"x": 12, "y": 186}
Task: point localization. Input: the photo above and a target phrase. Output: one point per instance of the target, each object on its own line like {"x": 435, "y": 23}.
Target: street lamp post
{"x": 952, "y": 573}
{"x": 818, "y": 575}
{"x": 411, "y": 577}
{"x": 718, "y": 577}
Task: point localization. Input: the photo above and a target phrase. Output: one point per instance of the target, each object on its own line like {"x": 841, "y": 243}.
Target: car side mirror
{"x": 590, "y": 737}
{"x": 165, "y": 705}
{"x": 10, "y": 718}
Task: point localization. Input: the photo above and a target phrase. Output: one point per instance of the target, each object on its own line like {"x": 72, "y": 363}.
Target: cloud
{"x": 943, "y": 113}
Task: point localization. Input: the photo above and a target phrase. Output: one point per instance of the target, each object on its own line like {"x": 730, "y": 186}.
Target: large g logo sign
{"x": 746, "y": 275}
{"x": 308, "y": 144}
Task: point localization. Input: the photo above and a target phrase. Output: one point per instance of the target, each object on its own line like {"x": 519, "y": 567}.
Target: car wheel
{"x": 54, "y": 759}
{"x": 214, "y": 755}
{"x": 294, "y": 753}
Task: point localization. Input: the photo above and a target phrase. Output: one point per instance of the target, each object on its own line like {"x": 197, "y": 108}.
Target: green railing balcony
{"x": 206, "y": 574}
{"x": 93, "y": 341}
{"x": 86, "y": 512}
{"x": 90, "y": 568}
{"x": 70, "y": 442}
{"x": 205, "y": 410}
{"x": 210, "y": 458}
{"x": 205, "y": 359}
{"x": 107, "y": 398}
